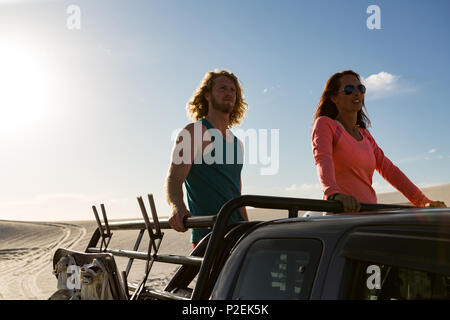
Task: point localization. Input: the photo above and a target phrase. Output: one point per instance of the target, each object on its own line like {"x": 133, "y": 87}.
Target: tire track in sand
{"x": 20, "y": 268}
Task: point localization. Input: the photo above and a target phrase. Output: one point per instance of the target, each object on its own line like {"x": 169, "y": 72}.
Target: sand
{"x": 27, "y": 248}
{"x": 435, "y": 193}
{"x": 26, "y": 252}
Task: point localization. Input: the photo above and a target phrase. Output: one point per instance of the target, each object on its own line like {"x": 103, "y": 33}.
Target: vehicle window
{"x": 278, "y": 269}
{"x": 374, "y": 281}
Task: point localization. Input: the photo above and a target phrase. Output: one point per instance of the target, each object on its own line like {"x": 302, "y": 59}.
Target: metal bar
{"x": 97, "y": 218}
{"x": 262, "y": 202}
{"x": 293, "y": 213}
{"x": 164, "y": 295}
{"x": 105, "y": 219}
{"x": 100, "y": 227}
{"x": 154, "y": 215}
{"x": 171, "y": 258}
{"x": 135, "y": 248}
{"x": 125, "y": 284}
{"x": 121, "y": 253}
{"x": 266, "y": 202}
{"x": 150, "y": 259}
{"x": 94, "y": 239}
{"x": 191, "y": 222}
{"x": 132, "y": 286}
{"x": 176, "y": 259}
{"x": 147, "y": 224}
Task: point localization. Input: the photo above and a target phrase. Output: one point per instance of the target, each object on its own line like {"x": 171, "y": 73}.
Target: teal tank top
{"x": 213, "y": 180}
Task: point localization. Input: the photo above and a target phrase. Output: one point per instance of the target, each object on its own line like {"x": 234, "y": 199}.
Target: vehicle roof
{"x": 374, "y": 243}
{"x": 339, "y": 223}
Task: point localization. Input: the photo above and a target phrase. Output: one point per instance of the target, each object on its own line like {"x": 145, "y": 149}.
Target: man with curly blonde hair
{"x": 206, "y": 156}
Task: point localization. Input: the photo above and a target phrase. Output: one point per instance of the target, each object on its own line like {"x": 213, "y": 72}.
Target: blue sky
{"x": 89, "y": 113}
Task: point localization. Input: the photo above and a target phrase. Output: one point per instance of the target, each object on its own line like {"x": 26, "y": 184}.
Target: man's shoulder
{"x": 192, "y": 126}
{"x": 238, "y": 140}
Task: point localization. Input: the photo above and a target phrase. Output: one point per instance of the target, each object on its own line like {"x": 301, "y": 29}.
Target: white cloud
{"x": 409, "y": 159}
{"x": 430, "y": 155}
{"x": 381, "y": 81}
{"x": 272, "y": 88}
{"x": 383, "y": 85}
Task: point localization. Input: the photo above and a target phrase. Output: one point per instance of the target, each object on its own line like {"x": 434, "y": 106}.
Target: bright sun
{"x": 24, "y": 87}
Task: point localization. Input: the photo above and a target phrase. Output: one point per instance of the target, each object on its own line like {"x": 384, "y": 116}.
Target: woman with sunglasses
{"x": 345, "y": 152}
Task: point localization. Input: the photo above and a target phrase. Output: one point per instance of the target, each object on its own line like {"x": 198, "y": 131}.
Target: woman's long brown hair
{"x": 327, "y": 107}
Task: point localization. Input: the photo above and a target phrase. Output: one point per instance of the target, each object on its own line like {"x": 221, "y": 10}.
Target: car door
{"x": 396, "y": 262}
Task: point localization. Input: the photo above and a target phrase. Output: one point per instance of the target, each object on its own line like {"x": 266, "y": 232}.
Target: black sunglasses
{"x": 348, "y": 89}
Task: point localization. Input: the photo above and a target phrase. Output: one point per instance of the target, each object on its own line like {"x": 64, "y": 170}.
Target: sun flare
{"x": 24, "y": 87}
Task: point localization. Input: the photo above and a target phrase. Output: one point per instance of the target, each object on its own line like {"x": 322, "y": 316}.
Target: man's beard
{"x": 223, "y": 107}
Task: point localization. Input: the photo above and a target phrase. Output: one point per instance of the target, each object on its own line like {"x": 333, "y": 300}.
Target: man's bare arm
{"x": 174, "y": 196}
{"x": 178, "y": 171}
{"x": 174, "y": 185}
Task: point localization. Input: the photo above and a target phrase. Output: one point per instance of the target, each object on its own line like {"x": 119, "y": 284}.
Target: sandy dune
{"x": 26, "y": 252}
{"x": 436, "y": 193}
{"x": 27, "y": 248}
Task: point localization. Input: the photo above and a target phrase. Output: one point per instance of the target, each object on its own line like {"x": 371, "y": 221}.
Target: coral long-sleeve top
{"x": 346, "y": 165}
